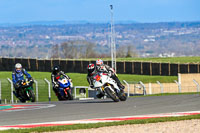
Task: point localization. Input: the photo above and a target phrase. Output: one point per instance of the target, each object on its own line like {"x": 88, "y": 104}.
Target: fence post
{"x": 128, "y": 87}
{"x": 161, "y": 86}
{"x": 144, "y": 88}
{"x": 36, "y": 89}
{"x": 11, "y": 89}
{"x": 49, "y": 89}
{"x": 0, "y": 91}
{"x": 150, "y": 89}
{"x": 196, "y": 84}
{"x": 179, "y": 86}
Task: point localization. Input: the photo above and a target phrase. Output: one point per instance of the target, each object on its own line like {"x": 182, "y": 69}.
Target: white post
{"x": 197, "y": 84}
{"x": 128, "y": 87}
{"x": 36, "y": 89}
{"x": 161, "y": 86}
{"x": 144, "y": 88}
{"x": 75, "y": 92}
{"x": 11, "y": 89}
{"x": 49, "y": 89}
{"x": 0, "y": 91}
{"x": 179, "y": 86}
{"x": 150, "y": 89}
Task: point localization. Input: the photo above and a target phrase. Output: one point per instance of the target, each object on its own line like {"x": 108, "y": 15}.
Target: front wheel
{"x": 112, "y": 94}
{"x": 70, "y": 97}
{"x": 31, "y": 95}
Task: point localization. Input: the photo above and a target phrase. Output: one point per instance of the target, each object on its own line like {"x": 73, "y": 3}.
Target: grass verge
{"x": 97, "y": 125}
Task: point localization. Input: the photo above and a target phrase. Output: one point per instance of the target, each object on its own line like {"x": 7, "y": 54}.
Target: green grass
{"x": 77, "y": 79}
{"x": 158, "y": 59}
{"x": 97, "y": 125}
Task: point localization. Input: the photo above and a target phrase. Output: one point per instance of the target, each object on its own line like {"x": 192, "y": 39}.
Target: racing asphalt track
{"x": 102, "y": 108}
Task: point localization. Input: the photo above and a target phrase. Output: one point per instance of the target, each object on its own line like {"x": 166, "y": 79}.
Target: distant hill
{"x": 163, "y": 39}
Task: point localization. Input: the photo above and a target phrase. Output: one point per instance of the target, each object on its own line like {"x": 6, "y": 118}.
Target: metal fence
{"x": 139, "y": 88}
{"x": 42, "y": 89}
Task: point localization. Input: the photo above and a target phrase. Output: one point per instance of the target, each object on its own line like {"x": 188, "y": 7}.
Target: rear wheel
{"x": 123, "y": 97}
{"x": 112, "y": 94}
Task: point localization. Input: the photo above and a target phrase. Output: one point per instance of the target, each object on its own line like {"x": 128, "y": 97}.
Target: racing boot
{"x": 99, "y": 94}
{"x": 16, "y": 93}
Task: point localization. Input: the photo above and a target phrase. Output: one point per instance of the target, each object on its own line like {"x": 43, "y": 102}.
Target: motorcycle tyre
{"x": 70, "y": 97}
{"x": 114, "y": 97}
{"x": 32, "y": 95}
{"x": 123, "y": 97}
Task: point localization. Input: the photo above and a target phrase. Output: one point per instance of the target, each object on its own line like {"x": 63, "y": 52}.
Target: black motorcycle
{"x": 26, "y": 92}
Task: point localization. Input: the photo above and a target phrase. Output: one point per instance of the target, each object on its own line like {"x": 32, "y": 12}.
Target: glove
{"x": 70, "y": 80}
{"x": 109, "y": 73}
{"x": 56, "y": 85}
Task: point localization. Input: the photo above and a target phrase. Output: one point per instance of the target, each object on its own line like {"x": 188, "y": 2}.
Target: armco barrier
{"x": 79, "y": 66}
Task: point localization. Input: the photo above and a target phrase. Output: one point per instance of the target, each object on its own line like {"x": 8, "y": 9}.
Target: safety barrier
{"x": 80, "y": 66}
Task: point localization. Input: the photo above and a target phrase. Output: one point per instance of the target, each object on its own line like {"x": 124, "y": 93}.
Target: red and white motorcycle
{"x": 107, "y": 86}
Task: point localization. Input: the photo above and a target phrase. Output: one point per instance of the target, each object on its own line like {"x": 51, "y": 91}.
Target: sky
{"x": 19, "y": 11}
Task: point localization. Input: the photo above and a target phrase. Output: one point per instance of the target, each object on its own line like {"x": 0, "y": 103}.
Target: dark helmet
{"x": 56, "y": 69}
{"x": 91, "y": 68}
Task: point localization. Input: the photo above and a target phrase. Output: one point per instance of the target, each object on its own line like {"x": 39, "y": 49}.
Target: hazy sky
{"x": 16, "y": 11}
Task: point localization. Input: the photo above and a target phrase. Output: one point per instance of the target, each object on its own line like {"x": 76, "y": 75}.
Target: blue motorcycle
{"x": 64, "y": 89}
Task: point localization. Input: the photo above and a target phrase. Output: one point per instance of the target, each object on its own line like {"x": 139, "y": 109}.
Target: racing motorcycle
{"x": 26, "y": 92}
{"x": 107, "y": 86}
{"x": 64, "y": 89}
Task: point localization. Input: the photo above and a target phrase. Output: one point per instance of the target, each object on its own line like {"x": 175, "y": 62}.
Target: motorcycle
{"x": 26, "y": 92}
{"x": 64, "y": 89}
{"x": 106, "y": 85}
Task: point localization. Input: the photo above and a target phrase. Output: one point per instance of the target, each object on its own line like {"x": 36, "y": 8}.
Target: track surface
{"x": 77, "y": 110}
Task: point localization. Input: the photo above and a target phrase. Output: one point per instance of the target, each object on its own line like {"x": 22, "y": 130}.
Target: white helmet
{"x": 99, "y": 62}
{"x": 18, "y": 67}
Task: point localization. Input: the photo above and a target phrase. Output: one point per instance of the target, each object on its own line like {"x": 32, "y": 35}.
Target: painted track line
{"x": 97, "y": 120}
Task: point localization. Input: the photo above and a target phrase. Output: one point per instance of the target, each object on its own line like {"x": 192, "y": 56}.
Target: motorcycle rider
{"x": 55, "y": 75}
{"x": 101, "y": 67}
{"x": 17, "y": 76}
{"x": 91, "y": 71}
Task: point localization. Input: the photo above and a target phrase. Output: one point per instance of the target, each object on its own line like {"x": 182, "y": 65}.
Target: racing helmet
{"x": 56, "y": 69}
{"x": 99, "y": 62}
{"x": 91, "y": 68}
{"x": 18, "y": 67}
